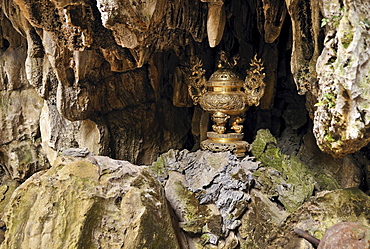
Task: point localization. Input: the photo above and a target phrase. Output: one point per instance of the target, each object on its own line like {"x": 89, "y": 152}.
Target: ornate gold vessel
{"x": 226, "y": 97}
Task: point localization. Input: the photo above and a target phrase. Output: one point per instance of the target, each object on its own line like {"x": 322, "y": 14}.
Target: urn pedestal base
{"x": 225, "y": 142}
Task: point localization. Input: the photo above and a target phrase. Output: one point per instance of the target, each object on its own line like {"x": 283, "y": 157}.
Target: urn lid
{"x": 225, "y": 77}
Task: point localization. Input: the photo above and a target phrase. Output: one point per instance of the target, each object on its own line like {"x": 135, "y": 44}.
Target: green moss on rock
{"x": 198, "y": 218}
{"x": 326, "y": 181}
{"x": 291, "y": 183}
{"x": 347, "y": 39}
{"x": 155, "y": 231}
{"x": 160, "y": 167}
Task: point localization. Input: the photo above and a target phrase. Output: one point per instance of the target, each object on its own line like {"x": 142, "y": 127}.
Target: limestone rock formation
{"x": 20, "y": 107}
{"x": 112, "y": 76}
{"x": 217, "y": 197}
{"x": 316, "y": 216}
{"x": 306, "y": 42}
{"x": 89, "y": 202}
{"x": 121, "y": 70}
{"x": 184, "y": 200}
{"x": 76, "y": 60}
{"x": 286, "y": 179}
{"x": 208, "y": 192}
{"x": 342, "y": 117}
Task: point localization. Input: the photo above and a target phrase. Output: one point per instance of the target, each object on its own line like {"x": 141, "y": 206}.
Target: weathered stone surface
{"x": 315, "y": 217}
{"x": 142, "y": 132}
{"x": 91, "y": 202}
{"x": 126, "y": 45}
{"x": 82, "y": 58}
{"x": 268, "y": 217}
{"x": 75, "y": 57}
{"x": 262, "y": 219}
{"x": 341, "y": 121}
{"x": 293, "y": 153}
{"x": 19, "y": 113}
{"x": 20, "y": 107}
{"x": 193, "y": 217}
{"x": 330, "y": 173}
{"x": 346, "y": 235}
{"x": 271, "y": 17}
{"x": 114, "y": 204}
{"x": 7, "y": 188}
{"x": 209, "y": 192}
{"x": 305, "y": 18}
{"x": 284, "y": 178}
{"x": 58, "y": 133}
{"x": 110, "y": 73}
{"x": 101, "y": 60}
{"x": 216, "y": 21}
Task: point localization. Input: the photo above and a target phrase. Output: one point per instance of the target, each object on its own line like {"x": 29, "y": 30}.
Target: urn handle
{"x": 197, "y": 86}
{"x": 254, "y": 87}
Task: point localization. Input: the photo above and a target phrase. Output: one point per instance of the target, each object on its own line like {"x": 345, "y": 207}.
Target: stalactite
{"x": 215, "y": 22}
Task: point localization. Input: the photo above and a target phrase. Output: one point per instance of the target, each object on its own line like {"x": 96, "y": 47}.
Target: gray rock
{"x": 249, "y": 163}
{"x": 76, "y": 152}
{"x": 203, "y": 168}
{"x": 210, "y": 195}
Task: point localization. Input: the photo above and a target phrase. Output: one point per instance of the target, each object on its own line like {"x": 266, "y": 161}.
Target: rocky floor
{"x": 183, "y": 200}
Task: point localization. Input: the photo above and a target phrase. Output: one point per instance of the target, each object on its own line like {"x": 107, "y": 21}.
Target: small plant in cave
{"x": 334, "y": 19}
{"x": 347, "y": 39}
{"x": 328, "y": 137}
{"x": 327, "y": 99}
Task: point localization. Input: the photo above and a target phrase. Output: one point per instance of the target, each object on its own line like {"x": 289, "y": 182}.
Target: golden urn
{"x": 226, "y": 97}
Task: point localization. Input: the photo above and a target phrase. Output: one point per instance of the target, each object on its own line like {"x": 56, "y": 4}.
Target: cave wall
{"x": 112, "y": 75}
{"x": 99, "y": 89}
{"x": 20, "y": 107}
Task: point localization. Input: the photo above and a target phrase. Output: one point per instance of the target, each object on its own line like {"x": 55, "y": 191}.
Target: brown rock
{"x": 346, "y": 235}
{"x": 306, "y": 28}
{"x": 315, "y": 217}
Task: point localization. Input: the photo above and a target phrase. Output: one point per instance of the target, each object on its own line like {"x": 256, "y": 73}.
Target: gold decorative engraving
{"x": 254, "y": 86}
{"x": 236, "y": 124}
{"x": 224, "y": 77}
{"x": 220, "y": 119}
{"x": 225, "y": 142}
{"x": 226, "y": 96}
{"x": 197, "y": 80}
{"x": 223, "y": 62}
{"x": 229, "y": 103}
